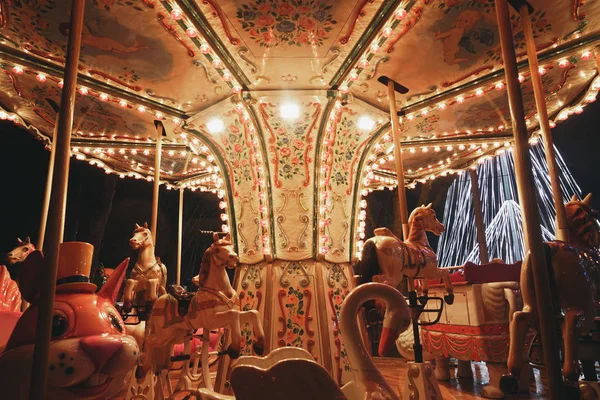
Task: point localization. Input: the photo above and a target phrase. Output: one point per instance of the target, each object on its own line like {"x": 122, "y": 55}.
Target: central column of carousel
{"x": 291, "y": 169}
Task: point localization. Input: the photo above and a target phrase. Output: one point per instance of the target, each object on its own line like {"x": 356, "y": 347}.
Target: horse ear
{"x": 145, "y": 225}
{"x": 137, "y": 226}
{"x": 30, "y": 280}
{"x": 428, "y": 206}
{"x": 574, "y": 197}
{"x": 587, "y": 199}
{"x": 110, "y": 289}
{"x": 27, "y": 239}
{"x": 19, "y": 241}
{"x": 227, "y": 238}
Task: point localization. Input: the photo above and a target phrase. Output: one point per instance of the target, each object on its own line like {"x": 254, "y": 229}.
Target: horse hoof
{"x": 509, "y": 384}
{"x": 449, "y": 298}
{"x": 232, "y": 353}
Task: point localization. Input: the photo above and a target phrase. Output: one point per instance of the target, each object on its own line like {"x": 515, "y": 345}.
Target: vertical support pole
{"x": 562, "y": 228}
{"x": 479, "y": 225}
{"x": 56, "y": 210}
{"x": 398, "y": 160}
{"x": 157, "y": 158}
{"x": 179, "y": 235}
{"x": 49, "y": 177}
{"x": 527, "y": 199}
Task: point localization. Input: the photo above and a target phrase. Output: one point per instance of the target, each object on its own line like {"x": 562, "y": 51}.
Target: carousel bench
{"x": 482, "y": 273}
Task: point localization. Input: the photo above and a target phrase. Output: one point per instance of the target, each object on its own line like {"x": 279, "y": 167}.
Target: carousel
{"x": 292, "y": 112}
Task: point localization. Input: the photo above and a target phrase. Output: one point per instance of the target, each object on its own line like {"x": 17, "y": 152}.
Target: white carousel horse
{"x": 149, "y": 276}
{"x": 213, "y": 306}
{"x": 20, "y": 252}
{"x": 291, "y": 373}
{"x": 385, "y": 254}
{"x": 574, "y": 271}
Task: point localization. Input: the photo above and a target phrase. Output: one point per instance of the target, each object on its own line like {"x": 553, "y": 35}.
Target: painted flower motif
{"x": 286, "y": 9}
{"x": 295, "y": 161}
{"x": 265, "y": 20}
{"x": 244, "y": 163}
{"x": 291, "y": 23}
{"x": 285, "y": 152}
{"x": 281, "y": 130}
{"x": 249, "y": 15}
{"x": 299, "y": 144}
{"x": 287, "y": 168}
{"x": 238, "y": 148}
{"x": 236, "y": 163}
{"x": 234, "y": 129}
{"x": 307, "y": 23}
{"x": 286, "y": 26}
{"x": 348, "y": 155}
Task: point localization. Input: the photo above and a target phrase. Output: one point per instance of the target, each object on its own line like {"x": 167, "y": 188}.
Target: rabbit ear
{"x": 30, "y": 280}
{"x": 145, "y": 225}
{"x": 110, "y": 289}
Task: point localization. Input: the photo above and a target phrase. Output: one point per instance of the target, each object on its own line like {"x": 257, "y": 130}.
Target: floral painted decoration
{"x": 288, "y": 23}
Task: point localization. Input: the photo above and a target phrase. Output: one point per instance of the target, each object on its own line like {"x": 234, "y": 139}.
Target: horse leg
{"x": 252, "y": 317}
{"x": 571, "y": 333}
{"x": 153, "y": 289}
{"x": 445, "y": 275}
{"x": 519, "y": 325}
{"x": 442, "y": 368}
{"x": 230, "y": 318}
{"x": 128, "y": 294}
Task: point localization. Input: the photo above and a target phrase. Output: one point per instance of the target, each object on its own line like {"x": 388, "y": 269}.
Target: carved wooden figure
{"x": 149, "y": 276}
{"x": 214, "y": 305}
{"x": 575, "y": 278}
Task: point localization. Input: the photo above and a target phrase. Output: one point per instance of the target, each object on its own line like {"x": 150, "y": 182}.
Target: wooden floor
{"x": 394, "y": 371}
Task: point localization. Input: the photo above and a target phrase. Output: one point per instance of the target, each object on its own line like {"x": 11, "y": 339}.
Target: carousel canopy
{"x": 276, "y": 103}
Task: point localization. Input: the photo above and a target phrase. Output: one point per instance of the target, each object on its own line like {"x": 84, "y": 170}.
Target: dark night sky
{"x": 23, "y": 166}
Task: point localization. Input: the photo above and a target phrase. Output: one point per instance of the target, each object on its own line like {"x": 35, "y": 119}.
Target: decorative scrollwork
{"x": 242, "y": 52}
{"x": 253, "y": 273}
{"x": 240, "y": 228}
{"x": 151, "y": 93}
{"x": 335, "y": 51}
{"x": 320, "y": 78}
{"x": 428, "y": 378}
{"x": 289, "y": 78}
{"x": 262, "y": 78}
{"x": 353, "y": 18}
{"x": 309, "y": 318}
{"x": 161, "y": 18}
{"x": 335, "y": 273}
{"x": 310, "y": 345}
{"x": 294, "y": 268}
{"x": 305, "y": 219}
{"x": 280, "y": 295}
{"x": 198, "y": 63}
{"x": 413, "y": 373}
{"x": 407, "y": 26}
{"x": 576, "y": 5}
{"x": 4, "y": 13}
{"x": 430, "y": 90}
{"x": 373, "y": 72}
{"x": 281, "y": 233}
{"x": 218, "y": 12}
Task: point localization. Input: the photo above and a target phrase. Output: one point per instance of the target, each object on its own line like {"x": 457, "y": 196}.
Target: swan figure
{"x": 291, "y": 373}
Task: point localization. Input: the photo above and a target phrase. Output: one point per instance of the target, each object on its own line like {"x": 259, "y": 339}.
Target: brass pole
{"x": 180, "y": 235}
{"x": 46, "y": 203}
{"x": 483, "y": 250}
{"x": 528, "y": 201}
{"x": 398, "y": 160}
{"x": 157, "y": 158}
{"x": 562, "y": 228}
{"x": 56, "y": 210}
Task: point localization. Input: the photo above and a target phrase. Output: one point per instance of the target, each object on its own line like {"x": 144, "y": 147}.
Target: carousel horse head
{"x": 219, "y": 254}
{"x": 90, "y": 354}
{"x": 142, "y": 237}
{"x": 20, "y": 252}
{"x": 424, "y": 218}
{"x": 583, "y": 225}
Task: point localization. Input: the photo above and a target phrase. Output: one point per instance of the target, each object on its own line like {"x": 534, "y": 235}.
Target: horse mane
{"x": 368, "y": 266}
{"x": 580, "y": 223}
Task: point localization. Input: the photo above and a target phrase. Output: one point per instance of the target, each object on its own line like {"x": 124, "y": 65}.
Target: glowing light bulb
{"x": 41, "y": 77}
{"x": 366, "y": 123}
{"x": 123, "y": 103}
{"x": 83, "y": 90}
{"x": 191, "y": 32}
{"x": 103, "y": 96}
{"x": 400, "y": 13}
{"x": 176, "y": 14}
{"x": 563, "y": 63}
{"x": 17, "y": 70}
{"x": 586, "y": 55}
{"x": 215, "y": 125}
{"x": 499, "y": 86}
{"x": 290, "y": 111}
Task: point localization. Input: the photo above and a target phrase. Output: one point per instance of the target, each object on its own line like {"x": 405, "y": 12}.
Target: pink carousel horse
{"x": 20, "y": 252}
{"x": 385, "y": 254}
{"x": 574, "y": 271}
{"x": 176, "y": 315}
{"x": 149, "y": 276}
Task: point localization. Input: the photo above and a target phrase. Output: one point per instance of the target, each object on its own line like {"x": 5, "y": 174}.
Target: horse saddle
{"x": 182, "y": 296}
